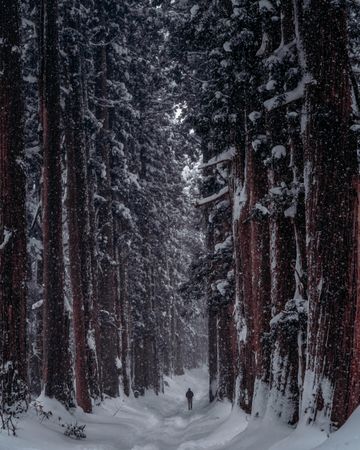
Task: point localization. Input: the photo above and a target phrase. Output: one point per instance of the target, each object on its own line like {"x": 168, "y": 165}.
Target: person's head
{"x": 189, "y": 389}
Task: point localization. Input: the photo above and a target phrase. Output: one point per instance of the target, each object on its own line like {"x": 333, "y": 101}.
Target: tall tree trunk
{"x": 108, "y": 327}
{"x": 330, "y": 164}
{"x": 251, "y": 244}
{"x": 56, "y": 362}
{"x": 355, "y": 362}
{"x": 123, "y": 312}
{"x": 13, "y": 265}
{"x": 226, "y": 352}
{"x": 213, "y": 353}
{"x": 284, "y": 388}
{"x": 76, "y": 270}
{"x": 86, "y": 370}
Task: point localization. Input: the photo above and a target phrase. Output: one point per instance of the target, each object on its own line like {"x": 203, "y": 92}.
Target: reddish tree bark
{"x": 330, "y": 164}
{"x": 80, "y": 243}
{"x": 354, "y": 399}
{"x": 251, "y": 244}
{"x": 12, "y": 206}
{"x": 287, "y": 230}
{"x": 56, "y": 358}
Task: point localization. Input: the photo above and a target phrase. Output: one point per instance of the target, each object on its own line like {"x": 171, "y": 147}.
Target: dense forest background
{"x": 179, "y": 185}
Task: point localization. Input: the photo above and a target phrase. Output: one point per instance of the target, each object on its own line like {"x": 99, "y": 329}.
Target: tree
{"x": 78, "y": 213}
{"x": 265, "y": 97}
{"x": 329, "y": 210}
{"x": 56, "y": 357}
{"x": 13, "y": 258}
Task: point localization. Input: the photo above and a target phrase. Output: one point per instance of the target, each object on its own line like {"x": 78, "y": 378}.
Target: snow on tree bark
{"x": 252, "y": 274}
{"x": 284, "y": 389}
{"x": 330, "y": 163}
{"x": 124, "y": 318}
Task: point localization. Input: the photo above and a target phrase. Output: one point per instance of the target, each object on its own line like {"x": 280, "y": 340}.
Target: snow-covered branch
{"x": 213, "y": 198}
{"x": 288, "y": 97}
{"x": 226, "y": 155}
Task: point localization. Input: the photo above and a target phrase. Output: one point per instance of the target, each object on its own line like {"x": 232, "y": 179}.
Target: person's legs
{"x": 191, "y": 403}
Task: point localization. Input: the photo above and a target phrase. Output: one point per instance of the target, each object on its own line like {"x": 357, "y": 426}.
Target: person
{"x": 189, "y": 396}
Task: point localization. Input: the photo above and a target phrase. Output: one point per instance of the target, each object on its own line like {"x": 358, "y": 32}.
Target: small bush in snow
{"x": 40, "y": 412}
{"x": 74, "y": 431}
{"x": 13, "y": 398}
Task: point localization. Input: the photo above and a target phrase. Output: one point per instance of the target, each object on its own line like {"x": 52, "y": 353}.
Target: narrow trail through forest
{"x": 162, "y": 422}
{"x": 177, "y": 428}
{"x": 148, "y": 423}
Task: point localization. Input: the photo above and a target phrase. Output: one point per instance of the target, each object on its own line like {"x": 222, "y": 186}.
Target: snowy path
{"x": 149, "y": 423}
{"x": 163, "y": 423}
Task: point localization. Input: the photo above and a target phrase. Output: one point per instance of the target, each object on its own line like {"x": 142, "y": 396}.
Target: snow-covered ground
{"x": 163, "y": 423}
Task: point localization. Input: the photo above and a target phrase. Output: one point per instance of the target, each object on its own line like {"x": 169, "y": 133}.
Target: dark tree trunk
{"x": 76, "y": 270}
{"x": 354, "y": 399}
{"x": 123, "y": 314}
{"x": 13, "y": 265}
{"x": 284, "y": 330}
{"x": 330, "y": 164}
{"x": 108, "y": 327}
{"x": 56, "y": 358}
{"x": 227, "y": 353}
{"x": 213, "y": 354}
{"x": 251, "y": 244}
{"x": 86, "y": 370}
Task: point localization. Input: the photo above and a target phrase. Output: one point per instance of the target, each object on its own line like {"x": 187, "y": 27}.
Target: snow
{"x": 163, "y": 423}
{"x": 240, "y": 198}
{"x": 221, "y": 286}
{"x": 134, "y": 178}
{"x": 279, "y": 151}
{"x": 303, "y": 438}
{"x": 226, "y": 155}
{"x": 37, "y": 305}
{"x": 266, "y": 4}
{"x": 256, "y": 143}
{"x": 148, "y": 423}
{"x": 347, "y": 437}
{"x": 291, "y": 211}
{"x": 214, "y": 197}
{"x": 288, "y": 97}
{"x": 227, "y": 46}
{"x": 226, "y": 244}
{"x": 254, "y": 116}
{"x": 270, "y": 85}
{"x": 276, "y": 190}
{"x": 30, "y": 79}
{"x": 194, "y": 10}
{"x": 123, "y": 211}
{"x": 264, "y": 43}
{"x": 6, "y": 239}
{"x": 262, "y": 209}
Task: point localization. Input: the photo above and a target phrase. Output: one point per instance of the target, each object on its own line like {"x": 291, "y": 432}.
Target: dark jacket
{"x": 189, "y": 394}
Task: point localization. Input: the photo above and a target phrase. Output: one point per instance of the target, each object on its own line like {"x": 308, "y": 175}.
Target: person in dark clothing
{"x": 189, "y": 396}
